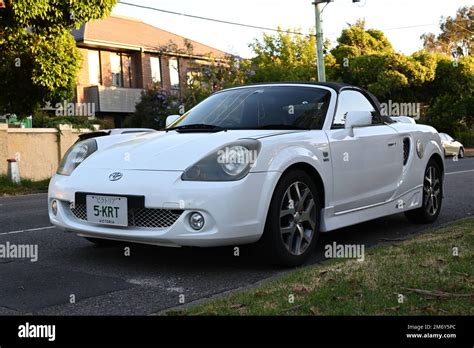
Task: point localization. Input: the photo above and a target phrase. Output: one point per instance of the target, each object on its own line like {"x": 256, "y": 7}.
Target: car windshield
{"x": 261, "y": 107}
{"x": 446, "y": 137}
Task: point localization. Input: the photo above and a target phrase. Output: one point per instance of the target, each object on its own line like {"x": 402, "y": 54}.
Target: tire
{"x": 432, "y": 196}
{"x": 461, "y": 153}
{"x": 102, "y": 242}
{"x": 292, "y": 228}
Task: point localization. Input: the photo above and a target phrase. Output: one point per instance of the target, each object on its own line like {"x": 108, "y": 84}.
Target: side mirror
{"x": 358, "y": 119}
{"x": 171, "y": 119}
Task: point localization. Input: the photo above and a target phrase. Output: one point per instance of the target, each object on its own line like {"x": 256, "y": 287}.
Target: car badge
{"x": 115, "y": 176}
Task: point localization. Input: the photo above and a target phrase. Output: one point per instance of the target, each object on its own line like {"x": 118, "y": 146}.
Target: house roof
{"x": 131, "y": 33}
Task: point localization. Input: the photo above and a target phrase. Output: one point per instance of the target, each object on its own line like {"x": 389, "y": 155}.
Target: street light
{"x": 319, "y": 39}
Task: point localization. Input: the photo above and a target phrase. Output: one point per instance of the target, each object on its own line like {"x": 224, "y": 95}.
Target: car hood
{"x": 170, "y": 151}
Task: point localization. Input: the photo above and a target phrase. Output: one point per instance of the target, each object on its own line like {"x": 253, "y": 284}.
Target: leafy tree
{"x": 39, "y": 60}
{"x": 357, "y": 41}
{"x": 365, "y": 57}
{"x": 284, "y": 57}
{"x": 456, "y": 37}
{"x": 452, "y": 105}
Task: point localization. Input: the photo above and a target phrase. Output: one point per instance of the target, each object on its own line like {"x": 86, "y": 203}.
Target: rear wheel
{"x": 292, "y": 225}
{"x": 461, "y": 153}
{"x": 432, "y": 196}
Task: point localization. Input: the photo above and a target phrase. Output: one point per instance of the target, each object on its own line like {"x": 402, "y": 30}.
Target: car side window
{"x": 351, "y": 100}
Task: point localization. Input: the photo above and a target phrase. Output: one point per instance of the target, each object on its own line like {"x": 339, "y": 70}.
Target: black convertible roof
{"x": 337, "y": 86}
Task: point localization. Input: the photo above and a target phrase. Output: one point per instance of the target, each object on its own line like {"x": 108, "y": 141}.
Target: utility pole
{"x": 319, "y": 40}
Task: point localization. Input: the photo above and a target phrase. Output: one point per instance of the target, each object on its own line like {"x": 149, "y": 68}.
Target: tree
{"x": 284, "y": 57}
{"x": 456, "y": 35}
{"x": 365, "y": 57}
{"x": 452, "y": 105}
{"x": 39, "y": 60}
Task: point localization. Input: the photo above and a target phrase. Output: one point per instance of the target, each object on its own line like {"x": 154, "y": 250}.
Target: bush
{"x": 465, "y": 137}
{"x": 42, "y": 119}
{"x": 155, "y": 105}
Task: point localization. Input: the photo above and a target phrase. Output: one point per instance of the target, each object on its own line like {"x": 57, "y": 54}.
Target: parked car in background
{"x": 115, "y": 131}
{"x": 272, "y": 164}
{"x": 403, "y": 119}
{"x": 451, "y": 147}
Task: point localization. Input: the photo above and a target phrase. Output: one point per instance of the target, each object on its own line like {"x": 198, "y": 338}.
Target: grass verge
{"x": 424, "y": 270}
{"x": 27, "y": 186}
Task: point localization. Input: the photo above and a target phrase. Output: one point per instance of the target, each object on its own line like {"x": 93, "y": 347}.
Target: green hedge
{"x": 465, "y": 137}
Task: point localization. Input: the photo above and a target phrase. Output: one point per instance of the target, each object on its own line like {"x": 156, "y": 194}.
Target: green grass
{"x": 27, "y": 186}
{"x": 422, "y": 269}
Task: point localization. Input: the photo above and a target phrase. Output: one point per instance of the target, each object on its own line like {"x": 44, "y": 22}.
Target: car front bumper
{"x": 234, "y": 211}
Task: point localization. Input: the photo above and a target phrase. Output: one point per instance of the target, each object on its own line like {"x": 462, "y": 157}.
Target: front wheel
{"x": 432, "y": 196}
{"x": 461, "y": 153}
{"x": 292, "y": 225}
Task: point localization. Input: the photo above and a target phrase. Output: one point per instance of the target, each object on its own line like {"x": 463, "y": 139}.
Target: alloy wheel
{"x": 432, "y": 190}
{"x": 297, "y": 218}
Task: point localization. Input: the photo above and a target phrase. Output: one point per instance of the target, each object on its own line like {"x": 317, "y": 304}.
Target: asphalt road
{"x": 103, "y": 281}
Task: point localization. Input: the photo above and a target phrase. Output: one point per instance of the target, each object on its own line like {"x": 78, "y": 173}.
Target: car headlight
{"x": 76, "y": 155}
{"x": 228, "y": 163}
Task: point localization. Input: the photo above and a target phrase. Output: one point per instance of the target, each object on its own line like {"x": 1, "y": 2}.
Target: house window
{"x": 116, "y": 69}
{"x": 155, "y": 69}
{"x": 94, "y": 67}
{"x": 126, "y": 69}
{"x": 174, "y": 73}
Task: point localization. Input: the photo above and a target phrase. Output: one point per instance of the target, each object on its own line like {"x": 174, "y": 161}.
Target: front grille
{"x": 406, "y": 150}
{"x": 139, "y": 217}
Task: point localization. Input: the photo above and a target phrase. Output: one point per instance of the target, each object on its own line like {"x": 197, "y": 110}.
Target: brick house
{"x": 122, "y": 56}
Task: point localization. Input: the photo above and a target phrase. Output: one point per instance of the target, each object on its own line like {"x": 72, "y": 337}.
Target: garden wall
{"x": 38, "y": 151}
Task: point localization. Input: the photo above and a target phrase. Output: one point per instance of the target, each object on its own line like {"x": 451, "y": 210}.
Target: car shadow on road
{"x": 244, "y": 258}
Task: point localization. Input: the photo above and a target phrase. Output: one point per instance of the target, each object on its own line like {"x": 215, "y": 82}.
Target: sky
{"x": 391, "y": 16}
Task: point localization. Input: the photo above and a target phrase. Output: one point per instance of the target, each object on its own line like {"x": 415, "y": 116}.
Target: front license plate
{"x": 107, "y": 210}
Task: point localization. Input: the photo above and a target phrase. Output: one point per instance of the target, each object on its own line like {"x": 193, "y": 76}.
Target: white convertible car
{"x": 272, "y": 164}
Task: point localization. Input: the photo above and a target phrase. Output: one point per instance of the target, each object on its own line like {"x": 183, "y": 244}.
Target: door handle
{"x": 391, "y": 144}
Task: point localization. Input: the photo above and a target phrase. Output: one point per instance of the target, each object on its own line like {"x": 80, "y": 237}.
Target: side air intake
{"x": 406, "y": 150}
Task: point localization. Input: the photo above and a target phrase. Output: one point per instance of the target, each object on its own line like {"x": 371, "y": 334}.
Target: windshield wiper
{"x": 282, "y": 126}
{"x": 197, "y": 127}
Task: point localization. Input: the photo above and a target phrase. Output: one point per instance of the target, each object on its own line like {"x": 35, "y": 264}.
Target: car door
{"x": 367, "y": 161}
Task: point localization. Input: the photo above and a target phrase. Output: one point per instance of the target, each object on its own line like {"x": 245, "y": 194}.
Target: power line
{"x": 213, "y": 19}
{"x": 255, "y": 26}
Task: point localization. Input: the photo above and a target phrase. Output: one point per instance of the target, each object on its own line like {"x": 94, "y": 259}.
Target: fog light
{"x": 196, "y": 220}
{"x": 54, "y": 207}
